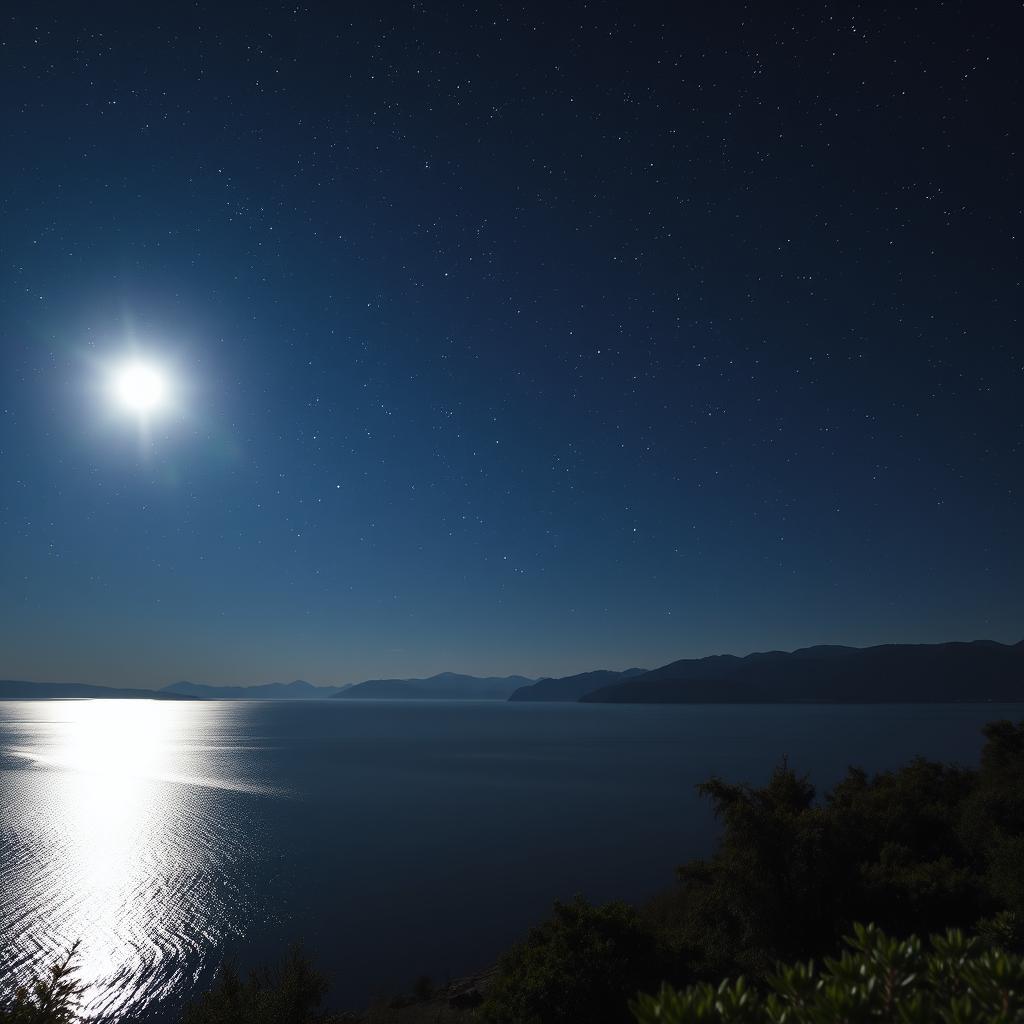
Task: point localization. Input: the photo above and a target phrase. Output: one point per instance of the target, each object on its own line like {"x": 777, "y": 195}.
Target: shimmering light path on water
{"x": 394, "y": 839}
{"x": 109, "y": 835}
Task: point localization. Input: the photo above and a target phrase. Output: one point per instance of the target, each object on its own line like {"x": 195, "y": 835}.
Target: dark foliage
{"x": 921, "y": 849}
{"x": 950, "y": 980}
{"x": 291, "y": 994}
{"x": 582, "y": 964}
{"x": 924, "y": 848}
{"x": 51, "y": 999}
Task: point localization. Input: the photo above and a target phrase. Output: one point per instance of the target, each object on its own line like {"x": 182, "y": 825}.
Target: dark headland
{"x": 926, "y": 673}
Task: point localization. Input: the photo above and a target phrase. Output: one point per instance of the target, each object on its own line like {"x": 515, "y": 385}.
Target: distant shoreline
{"x": 976, "y": 672}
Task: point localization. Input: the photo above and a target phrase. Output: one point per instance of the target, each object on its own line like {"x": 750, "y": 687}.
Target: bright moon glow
{"x": 141, "y": 387}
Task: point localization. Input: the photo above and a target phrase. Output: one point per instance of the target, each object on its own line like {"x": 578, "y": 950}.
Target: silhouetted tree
{"x": 582, "y": 964}
{"x": 291, "y": 994}
{"x": 50, "y": 999}
{"x": 925, "y": 847}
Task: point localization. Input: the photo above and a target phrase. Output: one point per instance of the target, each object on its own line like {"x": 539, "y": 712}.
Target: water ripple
{"x": 120, "y": 826}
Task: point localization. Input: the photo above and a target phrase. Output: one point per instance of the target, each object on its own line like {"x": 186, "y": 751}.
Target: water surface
{"x": 394, "y": 838}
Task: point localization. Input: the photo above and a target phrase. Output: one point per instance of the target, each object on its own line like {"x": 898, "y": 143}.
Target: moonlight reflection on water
{"x": 167, "y": 835}
{"x": 113, "y": 833}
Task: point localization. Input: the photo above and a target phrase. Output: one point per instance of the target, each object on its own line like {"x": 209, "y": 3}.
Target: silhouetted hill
{"x": 384, "y": 689}
{"x": 573, "y": 687}
{"x": 719, "y": 666}
{"x": 16, "y": 689}
{"x": 298, "y": 690}
{"x": 979, "y": 671}
{"x": 444, "y": 686}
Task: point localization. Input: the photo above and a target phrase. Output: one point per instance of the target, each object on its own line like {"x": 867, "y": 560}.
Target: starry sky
{"x": 507, "y": 338}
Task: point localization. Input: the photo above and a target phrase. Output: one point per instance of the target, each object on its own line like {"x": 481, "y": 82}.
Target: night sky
{"x": 506, "y": 338}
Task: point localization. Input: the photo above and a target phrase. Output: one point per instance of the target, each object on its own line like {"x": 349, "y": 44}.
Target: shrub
{"x": 923, "y": 848}
{"x": 954, "y": 980}
{"x": 583, "y": 964}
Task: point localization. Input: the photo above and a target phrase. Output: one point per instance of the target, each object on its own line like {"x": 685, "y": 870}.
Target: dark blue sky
{"x": 508, "y": 339}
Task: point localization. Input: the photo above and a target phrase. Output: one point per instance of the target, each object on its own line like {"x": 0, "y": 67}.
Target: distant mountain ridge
{"x": 443, "y": 686}
{"x": 297, "y": 690}
{"x": 571, "y": 688}
{"x": 19, "y": 689}
{"x": 978, "y": 671}
{"x": 903, "y": 673}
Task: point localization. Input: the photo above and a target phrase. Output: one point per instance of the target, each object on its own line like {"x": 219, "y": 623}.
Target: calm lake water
{"x": 394, "y": 839}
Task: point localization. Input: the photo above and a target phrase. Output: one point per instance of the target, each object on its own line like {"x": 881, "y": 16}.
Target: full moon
{"x": 140, "y": 387}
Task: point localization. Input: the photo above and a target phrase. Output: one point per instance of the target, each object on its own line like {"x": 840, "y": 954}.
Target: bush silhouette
{"x": 920, "y": 849}
{"x": 582, "y": 964}
{"x": 950, "y": 980}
